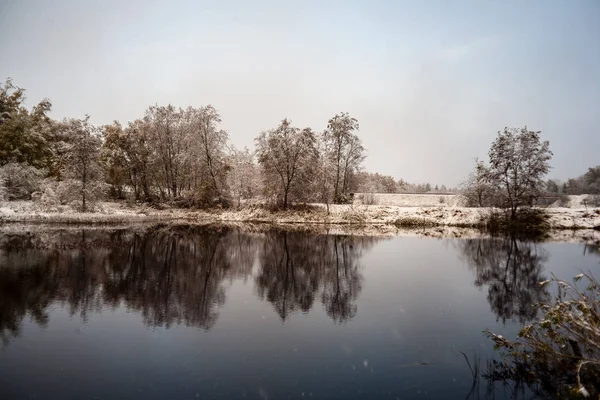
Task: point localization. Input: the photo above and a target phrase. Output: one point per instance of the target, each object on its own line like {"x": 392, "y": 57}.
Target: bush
{"x": 299, "y": 207}
{"x": 19, "y": 181}
{"x": 344, "y": 198}
{"x": 560, "y": 352}
{"x": 413, "y": 222}
{"x": 202, "y": 202}
{"x": 69, "y": 192}
{"x": 527, "y": 221}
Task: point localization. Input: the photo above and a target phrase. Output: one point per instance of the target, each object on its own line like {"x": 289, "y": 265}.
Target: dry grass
{"x": 560, "y": 351}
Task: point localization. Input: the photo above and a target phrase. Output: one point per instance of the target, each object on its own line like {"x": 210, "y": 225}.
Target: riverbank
{"x": 115, "y": 213}
{"x": 586, "y": 236}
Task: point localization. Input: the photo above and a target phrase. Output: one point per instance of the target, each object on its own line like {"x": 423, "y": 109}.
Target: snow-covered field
{"x": 445, "y": 200}
{"x": 409, "y": 200}
{"x": 23, "y": 211}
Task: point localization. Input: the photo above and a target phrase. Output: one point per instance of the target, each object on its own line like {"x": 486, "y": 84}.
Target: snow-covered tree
{"x": 346, "y": 151}
{"x": 519, "y": 161}
{"x": 243, "y": 176}
{"x": 288, "y": 157}
{"x": 83, "y": 161}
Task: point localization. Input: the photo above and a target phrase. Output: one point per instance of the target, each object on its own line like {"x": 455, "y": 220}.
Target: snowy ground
{"x": 409, "y": 200}
{"x": 446, "y": 200}
{"x": 23, "y": 211}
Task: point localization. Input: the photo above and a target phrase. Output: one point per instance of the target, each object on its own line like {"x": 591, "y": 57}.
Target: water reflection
{"x": 296, "y": 267}
{"x": 175, "y": 274}
{"x": 511, "y": 270}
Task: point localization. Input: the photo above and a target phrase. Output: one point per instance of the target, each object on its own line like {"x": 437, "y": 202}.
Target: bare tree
{"x": 324, "y": 173}
{"x": 288, "y": 157}
{"x": 83, "y": 159}
{"x": 213, "y": 143}
{"x": 477, "y": 189}
{"x": 114, "y": 159}
{"x": 243, "y": 174}
{"x": 346, "y": 151}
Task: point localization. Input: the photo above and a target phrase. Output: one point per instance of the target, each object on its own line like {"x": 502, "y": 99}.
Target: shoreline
{"x": 441, "y": 222}
{"x": 346, "y": 214}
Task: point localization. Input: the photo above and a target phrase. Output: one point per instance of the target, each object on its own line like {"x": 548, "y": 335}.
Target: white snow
{"x": 22, "y": 211}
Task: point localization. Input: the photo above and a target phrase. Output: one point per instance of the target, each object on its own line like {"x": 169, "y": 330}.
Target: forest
{"x": 176, "y": 155}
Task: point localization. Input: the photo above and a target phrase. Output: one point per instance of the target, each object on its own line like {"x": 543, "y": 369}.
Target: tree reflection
{"x": 343, "y": 279}
{"x": 512, "y": 271}
{"x": 296, "y": 268}
{"x": 173, "y": 274}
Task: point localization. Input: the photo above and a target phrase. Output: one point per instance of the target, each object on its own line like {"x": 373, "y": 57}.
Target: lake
{"x": 188, "y": 312}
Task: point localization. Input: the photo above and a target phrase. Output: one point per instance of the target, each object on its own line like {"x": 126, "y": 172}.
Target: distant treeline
{"x": 588, "y": 183}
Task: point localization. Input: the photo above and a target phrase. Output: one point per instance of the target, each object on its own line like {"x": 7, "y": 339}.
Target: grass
{"x": 559, "y": 353}
{"x": 88, "y": 218}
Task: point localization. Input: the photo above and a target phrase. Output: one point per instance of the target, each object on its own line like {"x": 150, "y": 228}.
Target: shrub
{"x": 527, "y": 221}
{"x": 354, "y": 217}
{"x": 413, "y": 222}
{"x": 69, "y": 192}
{"x": 20, "y": 180}
{"x": 344, "y": 198}
{"x": 560, "y": 352}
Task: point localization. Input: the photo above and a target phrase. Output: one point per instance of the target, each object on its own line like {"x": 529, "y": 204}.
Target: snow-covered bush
{"x": 46, "y": 198}
{"x": 19, "y": 180}
{"x": 69, "y": 192}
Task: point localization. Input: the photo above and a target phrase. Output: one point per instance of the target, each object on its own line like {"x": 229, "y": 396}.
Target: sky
{"x": 431, "y": 82}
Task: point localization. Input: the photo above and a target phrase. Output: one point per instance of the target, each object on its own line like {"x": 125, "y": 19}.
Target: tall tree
{"x": 551, "y": 186}
{"x": 288, "y": 157}
{"x": 243, "y": 176}
{"x": 592, "y": 180}
{"x": 115, "y": 160}
{"x": 519, "y": 160}
{"x": 168, "y": 143}
{"x": 477, "y": 189}
{"x": 24, "y": 135}
{"x": 212, "y": 152}
{"x": 347, "y": 152}
{"x": 83, "y": 159}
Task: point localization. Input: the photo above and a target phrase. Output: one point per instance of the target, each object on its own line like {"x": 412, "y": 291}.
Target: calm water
{"x": 217, "y": 313}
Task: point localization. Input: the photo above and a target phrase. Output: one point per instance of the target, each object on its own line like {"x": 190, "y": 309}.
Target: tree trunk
{"x": 209, "y": 160}
{"x": 285, "y": 197}
{"x": 337, "y": 171}
{"x": 84, "y": 187}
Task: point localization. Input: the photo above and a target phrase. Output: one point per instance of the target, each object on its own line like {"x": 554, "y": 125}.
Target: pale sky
{"x": 431, "y": 82}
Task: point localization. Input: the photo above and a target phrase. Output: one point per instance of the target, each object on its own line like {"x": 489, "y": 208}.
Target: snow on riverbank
{"x": 107, "y": 213}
